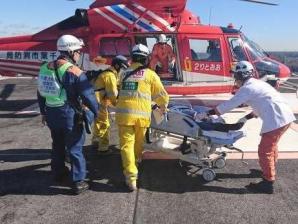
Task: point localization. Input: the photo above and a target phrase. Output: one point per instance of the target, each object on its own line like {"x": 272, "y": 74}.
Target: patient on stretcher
{"x": 212, "y": 123}
{"x": 182, "y": 120}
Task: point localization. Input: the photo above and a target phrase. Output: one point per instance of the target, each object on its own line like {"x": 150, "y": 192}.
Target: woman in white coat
{"x": 276, "y": 115}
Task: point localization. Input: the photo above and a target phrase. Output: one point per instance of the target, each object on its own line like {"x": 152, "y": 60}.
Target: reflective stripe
{"x": 135, "y": 95}
{"x": 161, "y": 94}
{"x": 133, "y": 112}
{"x": 55, "y": 104}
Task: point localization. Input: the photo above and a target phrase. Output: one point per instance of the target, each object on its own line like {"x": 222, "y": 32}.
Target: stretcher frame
{"x": 196, "y": 149}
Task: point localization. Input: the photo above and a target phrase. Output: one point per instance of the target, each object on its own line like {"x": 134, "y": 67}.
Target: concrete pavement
{"x": 167, "y": 192}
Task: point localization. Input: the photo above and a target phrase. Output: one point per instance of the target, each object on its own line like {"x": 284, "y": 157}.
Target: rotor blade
{"x": 260, "y": 2}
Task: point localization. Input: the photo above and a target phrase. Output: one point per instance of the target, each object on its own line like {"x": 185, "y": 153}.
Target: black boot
{"x": 264, "y": 186}
{"x": 79, "y": 187}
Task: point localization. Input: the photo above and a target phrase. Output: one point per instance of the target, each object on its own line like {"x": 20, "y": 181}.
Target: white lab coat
{"x": 265, "y": 101}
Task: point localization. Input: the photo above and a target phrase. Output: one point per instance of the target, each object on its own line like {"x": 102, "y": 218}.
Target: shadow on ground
{"x": 105, "y": 173}
{"x": 16, "y": 105}
{"x": 173, "y": 178}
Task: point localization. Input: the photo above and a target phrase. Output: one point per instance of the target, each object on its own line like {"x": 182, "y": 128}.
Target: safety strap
{"x": 74, "y": 103}
{"x": 133, "y": 72}
{"x": 57, "y": 75}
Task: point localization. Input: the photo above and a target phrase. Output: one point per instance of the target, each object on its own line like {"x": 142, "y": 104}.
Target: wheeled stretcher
{"x": 198, "y": 142}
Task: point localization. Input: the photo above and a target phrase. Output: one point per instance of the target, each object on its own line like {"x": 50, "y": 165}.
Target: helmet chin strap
{"x": 71, "y": 57}
{"x": 68, "y": 56}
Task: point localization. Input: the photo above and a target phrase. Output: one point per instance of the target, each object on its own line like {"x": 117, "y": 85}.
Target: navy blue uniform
{"x": 66, "y": 132}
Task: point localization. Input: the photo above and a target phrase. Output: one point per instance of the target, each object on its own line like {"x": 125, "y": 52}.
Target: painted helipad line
{"x": 30, "y": 110}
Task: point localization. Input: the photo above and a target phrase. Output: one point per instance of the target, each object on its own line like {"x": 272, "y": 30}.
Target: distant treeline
{"x": 288, "y": 58}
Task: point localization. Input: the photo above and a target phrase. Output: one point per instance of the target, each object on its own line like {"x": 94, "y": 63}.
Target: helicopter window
{"x": 205, "y": 50}
{"x": 254, "y": 49}
{"x": 115, "y": 46}
{"x": 237, "y": 49}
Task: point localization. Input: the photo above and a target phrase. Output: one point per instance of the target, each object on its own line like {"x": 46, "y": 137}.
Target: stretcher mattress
{"x": 180, "y": 120}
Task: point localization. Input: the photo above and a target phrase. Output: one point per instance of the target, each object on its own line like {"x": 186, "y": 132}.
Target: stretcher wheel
{"x": 219, "y": 163}
{"x": 208, "y": 175}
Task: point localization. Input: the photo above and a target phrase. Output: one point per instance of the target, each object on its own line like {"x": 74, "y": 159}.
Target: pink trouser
{"x": 268, "y": 151}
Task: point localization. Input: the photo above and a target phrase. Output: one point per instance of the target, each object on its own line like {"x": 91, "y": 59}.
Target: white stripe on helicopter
{"x": 110, "y": 19}
{"x": 154, "y": 16}
{"x": 21, "y": 71}
{"x": 131, "y": 17}
{"x": 20, "y": 65}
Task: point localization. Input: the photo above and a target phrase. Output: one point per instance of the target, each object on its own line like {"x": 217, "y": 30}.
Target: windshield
{"x": 237, "y": 50}
{"x": 254, "y": 49}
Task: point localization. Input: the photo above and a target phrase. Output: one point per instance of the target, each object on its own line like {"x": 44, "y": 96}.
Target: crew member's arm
{"x": 87, "y": 94}
{"x": 111, "y": 88}
{"x": 154, "y": 57}
{"x": 170, "y": 54}
{"x": 78, "y": 84}
{"x": 241, "y": 97}
{"x": 158, "y": 93}
{"x": 42, "y": 103}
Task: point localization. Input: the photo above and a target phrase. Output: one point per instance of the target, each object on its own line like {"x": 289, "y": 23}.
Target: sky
{"x": 274, "y": 28}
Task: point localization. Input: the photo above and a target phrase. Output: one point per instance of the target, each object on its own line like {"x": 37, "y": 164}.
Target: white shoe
{"x": 131, "y": 184}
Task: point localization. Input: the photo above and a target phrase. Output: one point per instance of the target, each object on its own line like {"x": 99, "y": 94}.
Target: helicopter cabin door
{"x": 204, "y": 61}
{"x": 103, "y": 48}
{"x": 164, "y": 58}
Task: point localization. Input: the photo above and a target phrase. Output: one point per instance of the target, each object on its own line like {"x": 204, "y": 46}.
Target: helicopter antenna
{"x": 210, "y": 14}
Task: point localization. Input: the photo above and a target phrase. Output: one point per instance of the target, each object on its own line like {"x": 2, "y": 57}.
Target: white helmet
{"x": 69, "y": 43}
{"x": 141, "y": 50}
{"x": 162, "y": 38}
{"x": 243, "y": 70}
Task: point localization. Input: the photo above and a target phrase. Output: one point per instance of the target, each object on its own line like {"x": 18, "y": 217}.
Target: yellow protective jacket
{"x": 136, "y": 95}
{"x": 107, "y": 84}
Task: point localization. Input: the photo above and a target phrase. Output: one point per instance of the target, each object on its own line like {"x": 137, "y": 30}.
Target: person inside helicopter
{"x": 163, "y": 58}
{"x": 214, "y": 51}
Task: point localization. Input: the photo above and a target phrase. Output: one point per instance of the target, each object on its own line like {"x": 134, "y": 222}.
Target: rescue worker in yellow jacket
{"x": 106, "y": 94}
{"x": 138, "y": 88}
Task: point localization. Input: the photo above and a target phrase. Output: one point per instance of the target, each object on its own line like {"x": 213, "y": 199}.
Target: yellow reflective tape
{"x": 133, "y": 112}
{"x": 135, "y": 95}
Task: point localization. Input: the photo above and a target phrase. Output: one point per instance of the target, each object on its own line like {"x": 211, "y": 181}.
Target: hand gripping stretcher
{"x": 198, "y": 142}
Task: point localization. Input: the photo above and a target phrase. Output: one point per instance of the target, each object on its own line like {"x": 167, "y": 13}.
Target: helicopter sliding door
{"x": 204, "y": 59}
{"x": 104, "y": 48}
{"x": 164, "y": 57}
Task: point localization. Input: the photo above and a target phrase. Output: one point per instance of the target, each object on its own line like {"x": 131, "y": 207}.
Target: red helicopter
{"x": 204, "y": 55}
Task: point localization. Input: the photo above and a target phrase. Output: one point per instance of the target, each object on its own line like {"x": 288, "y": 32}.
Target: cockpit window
{"x": 236, "y": 47}
{"x": 205, "y": 50}
{"x": 254, "y": 49}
